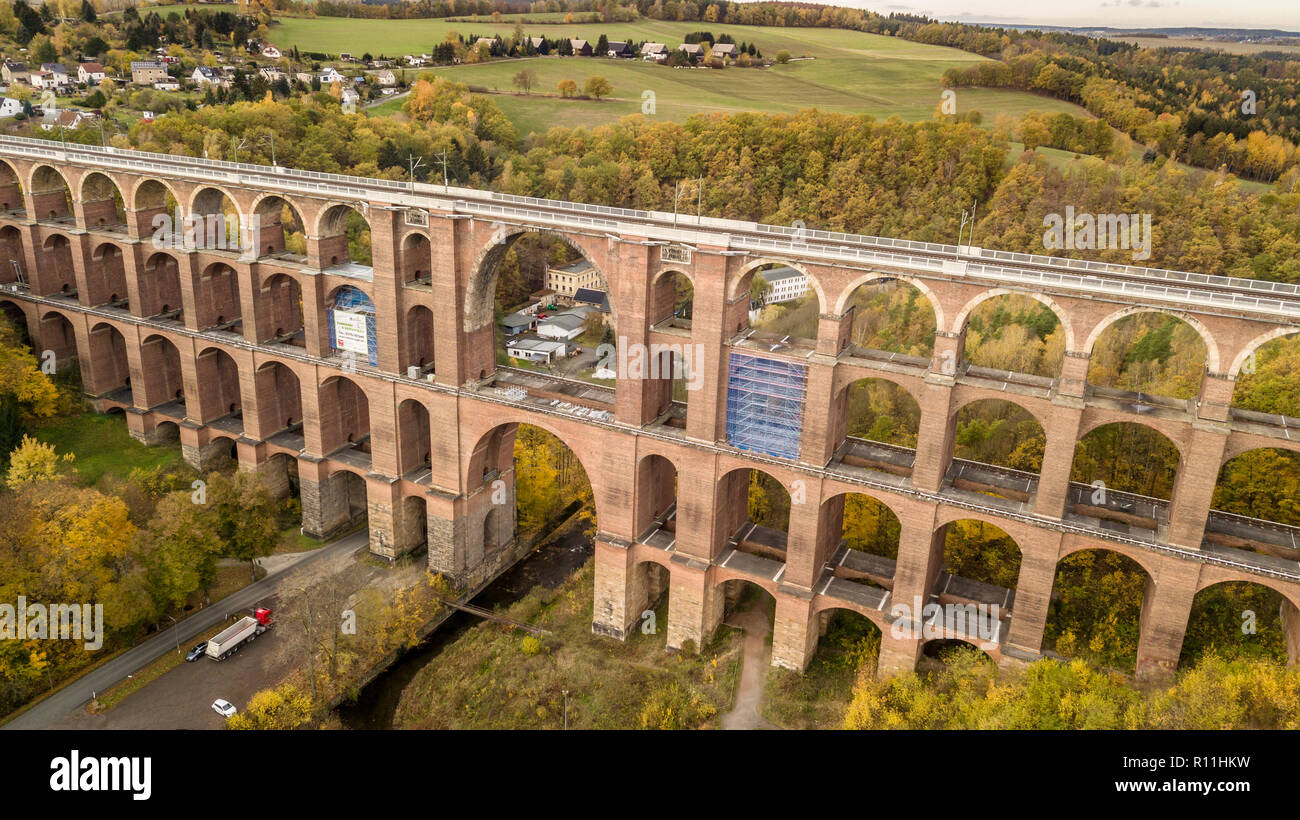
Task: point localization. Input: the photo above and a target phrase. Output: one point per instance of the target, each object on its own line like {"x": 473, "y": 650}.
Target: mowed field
{"x": 846, "y": 71}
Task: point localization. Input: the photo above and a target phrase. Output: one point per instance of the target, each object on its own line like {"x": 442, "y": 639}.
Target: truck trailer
{"x": 230, "y": 639}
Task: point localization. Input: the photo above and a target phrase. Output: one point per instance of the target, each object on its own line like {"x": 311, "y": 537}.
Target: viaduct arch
{"x": 216, "y": 344}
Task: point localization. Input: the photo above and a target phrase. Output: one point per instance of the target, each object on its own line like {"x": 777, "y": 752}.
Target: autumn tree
{"x": 567, "y": 87}
{"x": 597, "y": 87}
{"x": 525, "y": 79}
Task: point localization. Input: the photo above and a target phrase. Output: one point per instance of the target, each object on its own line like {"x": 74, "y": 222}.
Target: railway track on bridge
{"x": 923, "y": 259}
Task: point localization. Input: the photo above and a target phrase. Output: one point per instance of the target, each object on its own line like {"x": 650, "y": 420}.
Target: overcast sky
{"x": 1283, "y": 14}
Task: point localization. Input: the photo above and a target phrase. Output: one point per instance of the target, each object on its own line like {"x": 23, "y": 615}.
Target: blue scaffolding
{"x": 354, "y": 300}
{"x": 765, "y": 399}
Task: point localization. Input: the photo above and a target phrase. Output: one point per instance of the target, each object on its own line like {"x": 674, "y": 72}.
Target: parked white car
{"x": 223, "y": 707}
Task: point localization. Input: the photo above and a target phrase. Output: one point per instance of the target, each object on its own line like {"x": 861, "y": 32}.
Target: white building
{"x": 90, "y": 73}
{"x": 787, "y": 284}
{"x": 654, "y": 51}
{"x": 271, "y": 52}
{"x": 567, "y": 325}
{"x": 204, "y": 75}
{"x": 9, "y": 107}
{"x": 535, "y": 350}
{"x": 329, "y": 76}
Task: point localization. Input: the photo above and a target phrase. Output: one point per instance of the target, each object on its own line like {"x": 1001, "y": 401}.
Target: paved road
{"x": 75, "y": 694}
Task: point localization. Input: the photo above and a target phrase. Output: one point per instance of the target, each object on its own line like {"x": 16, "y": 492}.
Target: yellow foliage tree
{"x": 34, "y": 461}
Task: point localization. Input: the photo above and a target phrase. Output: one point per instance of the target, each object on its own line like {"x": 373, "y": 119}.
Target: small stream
{"x": 548, "y": 566}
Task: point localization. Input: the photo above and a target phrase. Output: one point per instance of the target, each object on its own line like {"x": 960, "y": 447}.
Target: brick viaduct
{"x": 232, "y": 348}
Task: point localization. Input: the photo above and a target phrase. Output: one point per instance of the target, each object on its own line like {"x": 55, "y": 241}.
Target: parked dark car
{"x": 196, "y": 652}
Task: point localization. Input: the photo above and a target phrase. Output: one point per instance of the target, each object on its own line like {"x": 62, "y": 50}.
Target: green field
{"x": 102, "y": 446}
{"x": 849, "y": 71}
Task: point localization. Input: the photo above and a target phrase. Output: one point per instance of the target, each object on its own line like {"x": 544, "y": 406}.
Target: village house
{"x": 14, "y": 72}
{"x": 88, "y": 73}
{"x": 386, "y": 78}
{"x": 271, "y": 52}
{"x": 271, "y": 73}
{"x": 148, "y": 72}
{"x": 693, "y": 50}
{"x": 581, "y": 48}
{"x": 10, "y": 107}
{"x": 724, "y": 51}
{"x": 657, "y": 52}
{"x": 619, "y": 49}
{"x": 203, "y": 75}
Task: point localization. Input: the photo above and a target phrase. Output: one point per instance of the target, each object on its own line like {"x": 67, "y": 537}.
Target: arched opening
{"x": 848, "y": 644}
{"x": 948, "y": 652}
{"x": 164, "y": 383}
{"x": 56, "y": 274}
{"x": 1120, "y": 473}
{"x": 1269, "y": 379}
{"x": 218, "y": 378}
{"x": 344, "y": 416}
{"x": 997, "y": 450}
{"x": 279, "y": 399}
{"x": 11, "y": 191}
{"x": 881, "y": 423}
{"x": 350, "y": 319}
{"x": 1017, "y": 334}
{"x": 1154, "y": 354}
{"x": 278, "y": 230}
{"x": 656, "y": 508}
{"x": 157, "y": 214}
{"x": 280, "y": 313}
{"x": 102, "y": 204}
{"x": 982, "y": 559}
{"x": 672, "y": 300}
{"x": 1237, "y": 619}
{"x": 345, "y": 241}
{"x": 160, "y": 288}
{"x": 869, "y": 534}
{"x": 1255, "y": 503}
{"x": 280, "y": 475}
{"x": 412, "y": 527}
{"x": 413, "y": 442}
{"x": 417, "y": 260}
{"x": 14, "y": 315}
{"x": 891, "y": 316}
{"x": 648, "y": 585}
{"x": 217, "y": 299}
{"x": 754, "y": 513}
{"x": 419, "y": 342}
{"x": 214, "y": 223}
{"x": 343, "y": 503}
{"x": 1096, "y": 608}
{"x": 220, "y": 455}
{"x": 531, "y": 482}
{"x": 110, "y": 372}
{"x": 552, "y": 309}
{"x": 13, "y": 265}
{"x": 783, "y": 306}
{"x": 106, "y": 278}
{"x": 166, "y": 432}
{"x": 59, "y": 337}
{"x": 51, "y": 196}
{"x": 743, "y": 604}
